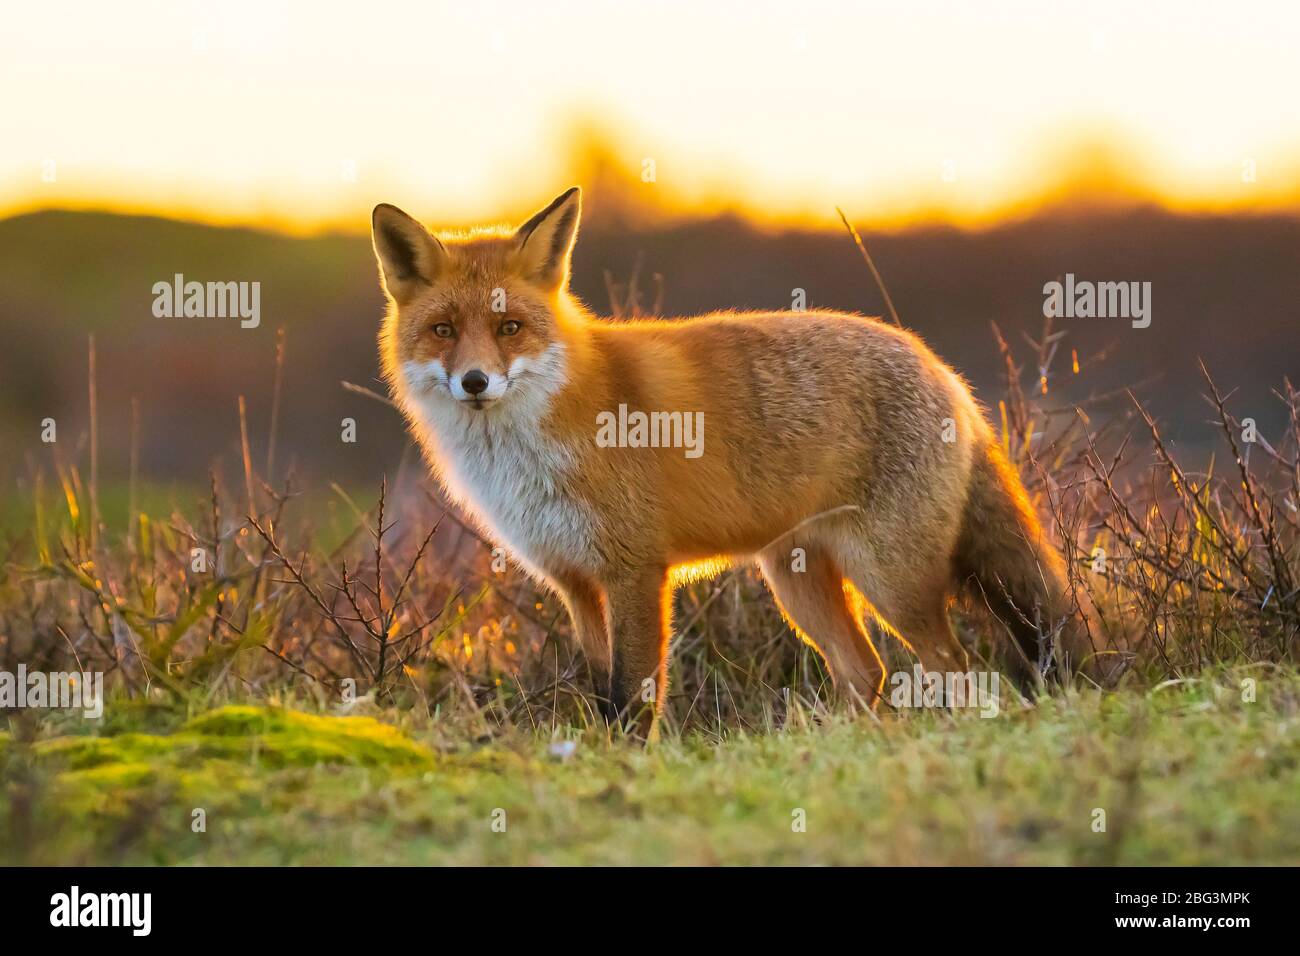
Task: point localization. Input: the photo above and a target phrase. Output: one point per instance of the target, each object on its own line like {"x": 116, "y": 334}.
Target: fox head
{"x": 474, "y": 318}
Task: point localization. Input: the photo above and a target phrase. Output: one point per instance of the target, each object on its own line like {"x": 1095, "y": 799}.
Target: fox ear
{"x": 408, "y": 256}
{"x": 546, "y": 241}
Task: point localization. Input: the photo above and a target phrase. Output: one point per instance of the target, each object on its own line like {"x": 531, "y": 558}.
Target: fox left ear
{"x": 546, "y": 241}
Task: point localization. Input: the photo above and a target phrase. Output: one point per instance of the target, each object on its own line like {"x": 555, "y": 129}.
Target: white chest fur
{"x": 500, "y": 465}
{"x": 514, "y": 482}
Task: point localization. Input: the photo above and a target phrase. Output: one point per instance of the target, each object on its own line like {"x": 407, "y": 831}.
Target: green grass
{"x": 1188, "y": 773}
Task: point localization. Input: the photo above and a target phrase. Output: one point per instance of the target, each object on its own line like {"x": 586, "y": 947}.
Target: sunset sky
{"x": 245, "y": 111}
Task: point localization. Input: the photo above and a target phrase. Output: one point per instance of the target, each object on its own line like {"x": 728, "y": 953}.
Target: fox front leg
{"x": 638, "y": 606}
{"x": 585, "y": 605}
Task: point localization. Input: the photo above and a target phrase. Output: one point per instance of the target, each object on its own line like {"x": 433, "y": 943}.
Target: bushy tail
{"x": 1007, "y": 564}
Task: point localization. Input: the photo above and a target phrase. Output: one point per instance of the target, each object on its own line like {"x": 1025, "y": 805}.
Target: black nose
{"x": 474, "y": 382}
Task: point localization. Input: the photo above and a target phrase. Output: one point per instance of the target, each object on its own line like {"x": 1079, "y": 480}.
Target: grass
{"x": 1189, "y": 773}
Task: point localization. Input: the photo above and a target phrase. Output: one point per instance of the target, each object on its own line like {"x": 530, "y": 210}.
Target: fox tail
{"x": 1006, "y": 562}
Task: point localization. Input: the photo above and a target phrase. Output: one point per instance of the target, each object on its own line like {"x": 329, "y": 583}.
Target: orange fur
{"x": 838, "y": 452}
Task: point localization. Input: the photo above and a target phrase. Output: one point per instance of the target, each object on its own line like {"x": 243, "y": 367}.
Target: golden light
{"x": 304, "y": 117}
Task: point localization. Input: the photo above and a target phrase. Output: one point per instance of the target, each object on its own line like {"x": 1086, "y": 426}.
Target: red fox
{"x": 613, "y": 458}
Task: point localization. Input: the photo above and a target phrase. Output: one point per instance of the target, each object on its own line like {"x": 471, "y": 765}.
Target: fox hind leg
{"x": 914, "y": 606}
{"x": 920, "y": 615}
{"x": 813, "y": 600}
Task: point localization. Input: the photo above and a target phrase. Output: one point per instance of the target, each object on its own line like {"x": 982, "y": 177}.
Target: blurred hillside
{"x": 1226, "y": 289}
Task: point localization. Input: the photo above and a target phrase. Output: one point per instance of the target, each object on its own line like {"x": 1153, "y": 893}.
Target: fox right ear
{"x": 408, "y": 255}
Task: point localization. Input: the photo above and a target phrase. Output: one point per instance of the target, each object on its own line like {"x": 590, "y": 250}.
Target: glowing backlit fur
{"x": 837, "y": 452}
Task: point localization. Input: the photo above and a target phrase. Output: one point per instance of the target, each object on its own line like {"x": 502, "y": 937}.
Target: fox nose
{"x": 474, "y": 382}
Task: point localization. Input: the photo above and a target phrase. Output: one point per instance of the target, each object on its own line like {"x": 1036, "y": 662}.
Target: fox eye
{"x": 443, "y": 330}
{"x": 509, "y": 327}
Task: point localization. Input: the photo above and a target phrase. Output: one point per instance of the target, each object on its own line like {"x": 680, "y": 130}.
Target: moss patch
{"x": 265, "y": 736}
